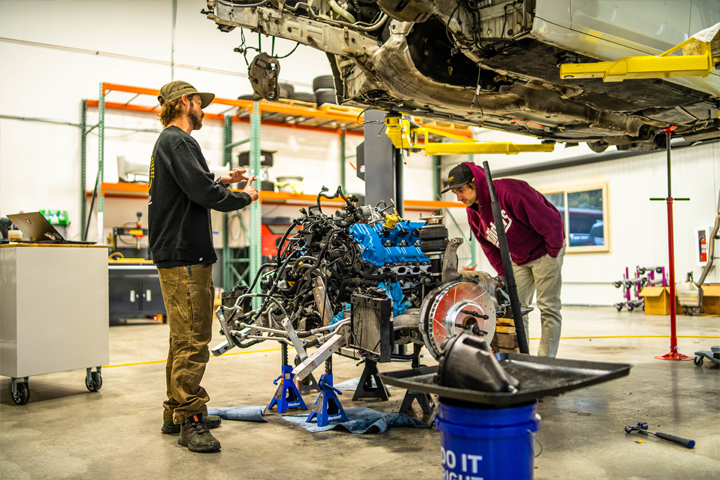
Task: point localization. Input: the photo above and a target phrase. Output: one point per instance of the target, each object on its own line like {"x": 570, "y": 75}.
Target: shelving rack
{"x": 333, "y": 120}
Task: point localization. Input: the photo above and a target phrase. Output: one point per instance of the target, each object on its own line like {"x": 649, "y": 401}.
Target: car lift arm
{"x": 697, "y": 61}
{"x": 405, "y": 133}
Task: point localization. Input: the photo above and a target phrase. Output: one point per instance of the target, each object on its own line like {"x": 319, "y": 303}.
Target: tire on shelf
{"x": 326, "y": 96}
{"x": 286, "y": 90}
{"x": 251, "y": 96}
{"x": 323, "y": 82}
{"x": 303, "y": 97}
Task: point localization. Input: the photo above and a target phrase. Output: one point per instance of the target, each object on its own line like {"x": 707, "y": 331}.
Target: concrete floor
{"x": 67, "y": 432}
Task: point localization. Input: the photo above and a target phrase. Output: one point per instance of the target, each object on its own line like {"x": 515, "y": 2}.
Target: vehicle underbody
{"x": 478, "y": 63}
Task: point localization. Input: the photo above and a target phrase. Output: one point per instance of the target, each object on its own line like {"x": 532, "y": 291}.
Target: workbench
{"x": 53, "y": 312}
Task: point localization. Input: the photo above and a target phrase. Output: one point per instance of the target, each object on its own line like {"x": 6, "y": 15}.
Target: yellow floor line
{"x": 165, "y": 360}
{"x": 537, "y": 338}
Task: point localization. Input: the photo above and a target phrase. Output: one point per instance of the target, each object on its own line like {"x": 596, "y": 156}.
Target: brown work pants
{"x": 188, "y": 293}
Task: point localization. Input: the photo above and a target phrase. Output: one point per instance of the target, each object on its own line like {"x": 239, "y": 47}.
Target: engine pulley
{"x": 453, "y": 307}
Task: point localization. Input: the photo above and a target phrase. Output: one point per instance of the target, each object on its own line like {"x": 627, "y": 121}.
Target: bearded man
{"x": 182, "y": 193}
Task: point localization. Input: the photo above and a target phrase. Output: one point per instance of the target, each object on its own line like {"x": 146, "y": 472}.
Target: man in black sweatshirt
{"x": 182, "y": 193}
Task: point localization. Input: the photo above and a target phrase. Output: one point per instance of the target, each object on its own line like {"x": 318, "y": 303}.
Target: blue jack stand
{"x": 327, "y": 406}
{"x": 287, "y": 394}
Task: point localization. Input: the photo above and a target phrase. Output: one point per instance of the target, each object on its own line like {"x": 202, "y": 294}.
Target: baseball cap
{"x": 459, "y": 176}
{"x": 174, "y": 90}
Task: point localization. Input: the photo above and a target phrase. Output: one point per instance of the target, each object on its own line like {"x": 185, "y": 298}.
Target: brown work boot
{"x": 195, "y": 435}
{"x": 212, "y": 421}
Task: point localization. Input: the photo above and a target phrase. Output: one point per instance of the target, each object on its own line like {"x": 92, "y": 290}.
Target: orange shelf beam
{"x": 264, "y": 106}
{"x": 140, "y": 190}
{"x": 432, "y": 204}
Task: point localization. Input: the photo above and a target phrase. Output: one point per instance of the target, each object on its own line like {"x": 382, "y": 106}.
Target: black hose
{"x": 507, "y": 264}
{"x": 342, "y": 296}
{"x": 282, "y": 240}
{"x": 257, "y": 275}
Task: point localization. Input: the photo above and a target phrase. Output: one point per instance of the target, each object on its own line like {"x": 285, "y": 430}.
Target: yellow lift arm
{"x": 406, "y": 134}
{"x": 697, "y": 61}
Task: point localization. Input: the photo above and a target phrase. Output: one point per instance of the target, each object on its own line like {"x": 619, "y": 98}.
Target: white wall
{"x": 49, "y": 64}
{"x": 40, "y": 162}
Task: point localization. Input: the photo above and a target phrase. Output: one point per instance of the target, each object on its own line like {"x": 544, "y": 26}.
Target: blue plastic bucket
{"x": 487, "y": 443}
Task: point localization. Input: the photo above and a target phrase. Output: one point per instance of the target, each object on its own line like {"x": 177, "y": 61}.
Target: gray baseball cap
{"x": 174, "y": 90}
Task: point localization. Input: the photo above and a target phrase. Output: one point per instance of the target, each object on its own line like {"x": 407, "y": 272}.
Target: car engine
{"x": 367, "y": 280}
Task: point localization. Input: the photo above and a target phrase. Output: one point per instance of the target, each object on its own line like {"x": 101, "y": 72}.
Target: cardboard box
{"x": 657, "y": 300}
{"x": 711, "y": 299}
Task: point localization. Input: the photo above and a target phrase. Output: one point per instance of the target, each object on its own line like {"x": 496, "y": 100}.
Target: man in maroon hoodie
{"x": 536, "y": 239}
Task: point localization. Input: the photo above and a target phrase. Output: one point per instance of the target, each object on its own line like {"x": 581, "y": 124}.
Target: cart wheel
{"x": 96, "y": 383}
{"x": 619, "y": 307}
{"x": 698, "y": 361}
{"x": 23, "y": 394}
{"x": 630, "y": 308}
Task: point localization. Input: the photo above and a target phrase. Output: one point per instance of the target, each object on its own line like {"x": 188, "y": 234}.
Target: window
{"x": 585, "y": 218}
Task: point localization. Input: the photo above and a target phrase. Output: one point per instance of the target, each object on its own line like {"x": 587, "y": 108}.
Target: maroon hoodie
{"x": 533, "y": 225}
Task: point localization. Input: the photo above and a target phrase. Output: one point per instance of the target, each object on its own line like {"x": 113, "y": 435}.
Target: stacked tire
{"x": 324, "y": 88}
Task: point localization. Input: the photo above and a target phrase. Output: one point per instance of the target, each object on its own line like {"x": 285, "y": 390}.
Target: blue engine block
{"x": 381, "y": 246}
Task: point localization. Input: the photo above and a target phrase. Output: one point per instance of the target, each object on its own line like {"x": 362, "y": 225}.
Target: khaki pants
{"x": 188, "y": 294}
{"x": 545, "y": 276}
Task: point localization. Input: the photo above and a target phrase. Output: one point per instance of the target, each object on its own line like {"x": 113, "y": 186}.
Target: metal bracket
{"x": 318, "y": 358}
{"x": 405, "y": 134}
{"x": 450, "y": 264}
{"x": 293, "y": 336}
{"x": 698, "y": 63}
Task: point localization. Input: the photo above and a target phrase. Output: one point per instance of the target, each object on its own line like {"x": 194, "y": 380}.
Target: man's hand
{"x": 233, "y": 177}
{"x": 250, "y": 190}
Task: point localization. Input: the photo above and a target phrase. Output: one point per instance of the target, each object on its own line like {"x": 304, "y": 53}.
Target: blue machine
{"x": 381, "y": 245}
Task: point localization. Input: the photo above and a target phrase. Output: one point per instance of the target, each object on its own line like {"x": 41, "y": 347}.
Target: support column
{"x": 83, "y": 167}
{"x": 227, "y": 159}
{"x": 101, "y": 164}
{"x": 342, "y": 160}
{"x": 399, "y": 178}
{"x": 379, "y": 156}
{"x": 256, "y": 207}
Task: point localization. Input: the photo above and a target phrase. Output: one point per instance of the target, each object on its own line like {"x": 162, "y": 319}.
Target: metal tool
{"x": 641, "y": 428}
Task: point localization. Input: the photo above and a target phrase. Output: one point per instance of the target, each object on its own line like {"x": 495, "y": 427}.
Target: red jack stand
{"x": 674, "y": 354}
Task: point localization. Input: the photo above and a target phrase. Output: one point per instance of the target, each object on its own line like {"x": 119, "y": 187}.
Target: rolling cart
{"x": 53, "y": 312}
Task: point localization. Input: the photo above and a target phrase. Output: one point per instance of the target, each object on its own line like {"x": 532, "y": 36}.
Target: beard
{"x": 195, "y": 118}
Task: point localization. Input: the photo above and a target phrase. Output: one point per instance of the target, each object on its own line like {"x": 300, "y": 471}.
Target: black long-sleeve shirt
{"x": 182, "y": 193}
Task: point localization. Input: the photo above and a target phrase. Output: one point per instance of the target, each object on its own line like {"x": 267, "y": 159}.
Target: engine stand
{"x": 424, "y": 399}
{"x": 365, "y": 388}
{"x": 287, "y": 395}
{"x": 308, "y": 385}
{"x": 327, "y": 406}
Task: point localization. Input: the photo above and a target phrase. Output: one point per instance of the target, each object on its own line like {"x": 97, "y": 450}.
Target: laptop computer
{"x": 37, "y": 229}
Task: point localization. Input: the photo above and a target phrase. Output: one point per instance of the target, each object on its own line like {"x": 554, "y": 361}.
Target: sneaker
{"x": 212, "y": 421}
{"x": 195, "y": 435}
